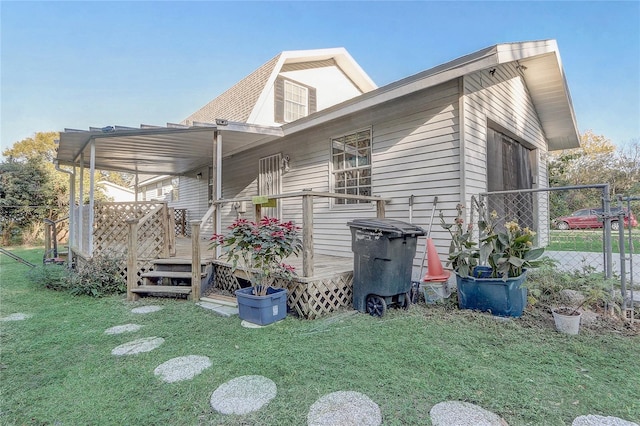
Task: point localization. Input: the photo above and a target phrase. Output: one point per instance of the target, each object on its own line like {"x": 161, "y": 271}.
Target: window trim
{"x": 333, "y": 171}
{"x": 304, "y": 104}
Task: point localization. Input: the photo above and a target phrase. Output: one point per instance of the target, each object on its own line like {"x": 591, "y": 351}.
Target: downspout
{"x": 462, "y": 141}
{"x": 72, "y": 198}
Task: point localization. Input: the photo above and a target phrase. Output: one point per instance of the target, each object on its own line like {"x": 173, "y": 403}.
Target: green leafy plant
{"x": 99, "y": 276}
{"x": 507, "y": 250}
{"x": 463, "y": 250}
{"x": 53, "y": 277}
{"x": 260, "y": 248}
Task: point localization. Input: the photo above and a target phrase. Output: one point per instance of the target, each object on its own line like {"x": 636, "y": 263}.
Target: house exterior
{"x": 288, "y": 87}
{"x": 482, "y": 122}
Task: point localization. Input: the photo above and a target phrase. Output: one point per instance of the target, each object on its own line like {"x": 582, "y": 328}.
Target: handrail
{"x": 309, "y": 192}
{"x": 307, "y": 196}
{"x": 208, "y": 214}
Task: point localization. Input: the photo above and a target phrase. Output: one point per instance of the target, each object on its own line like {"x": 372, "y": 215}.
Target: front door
{"x": 270, "y": 182}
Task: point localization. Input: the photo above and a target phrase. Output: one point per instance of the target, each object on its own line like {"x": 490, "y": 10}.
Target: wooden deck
{"x": 330, "y": 287}
{"x": 324, "y": 266}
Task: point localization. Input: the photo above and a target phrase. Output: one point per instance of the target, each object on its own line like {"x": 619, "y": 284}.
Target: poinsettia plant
{"x": 260, "y": 248}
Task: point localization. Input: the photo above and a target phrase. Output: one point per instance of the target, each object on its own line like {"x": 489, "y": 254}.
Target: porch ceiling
{"x": 158, "y": 150}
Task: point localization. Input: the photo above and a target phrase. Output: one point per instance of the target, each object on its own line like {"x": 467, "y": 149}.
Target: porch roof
{"x": 171, "y": 150}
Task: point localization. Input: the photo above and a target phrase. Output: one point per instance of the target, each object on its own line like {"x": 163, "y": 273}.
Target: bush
{"x": 53, "y": 277}
{"x": 99, "y": 276}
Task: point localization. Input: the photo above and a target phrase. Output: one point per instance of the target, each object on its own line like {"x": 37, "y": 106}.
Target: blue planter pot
{"x": 494, "y": 295}
{"x": 262, "y": 310}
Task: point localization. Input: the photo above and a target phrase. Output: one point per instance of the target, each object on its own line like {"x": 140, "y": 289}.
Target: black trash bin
{"x": 383, "y": 252}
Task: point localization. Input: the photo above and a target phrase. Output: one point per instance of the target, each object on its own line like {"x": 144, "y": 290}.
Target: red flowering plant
{"x": 261, "y": 248}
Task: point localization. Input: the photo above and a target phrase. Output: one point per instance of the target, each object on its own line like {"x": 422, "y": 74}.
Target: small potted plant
{"x": 490, "y": 271}
{"x": 595, "y": 292}
{"x": 260, "y": 250}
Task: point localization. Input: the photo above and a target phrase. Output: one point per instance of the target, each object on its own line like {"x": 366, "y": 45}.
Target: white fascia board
{"x": 389, "y": 93}
{"x": 264, "y": 95}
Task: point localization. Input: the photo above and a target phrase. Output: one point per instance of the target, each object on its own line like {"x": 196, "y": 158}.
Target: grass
{"x": 57, "y": 367}
{"x": 582, "y": 240}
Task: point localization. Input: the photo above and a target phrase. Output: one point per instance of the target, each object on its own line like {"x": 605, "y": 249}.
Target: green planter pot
{"x": 262, "y": 310}
{"x": 494, "y": 295}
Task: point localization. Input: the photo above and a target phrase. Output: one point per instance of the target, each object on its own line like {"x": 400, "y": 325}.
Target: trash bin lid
{"x": 395, "y": 228}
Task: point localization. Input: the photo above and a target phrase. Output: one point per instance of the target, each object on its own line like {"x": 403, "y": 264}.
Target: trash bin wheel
{"x": 406, "y": 303}
{"x": 376, "y": 305}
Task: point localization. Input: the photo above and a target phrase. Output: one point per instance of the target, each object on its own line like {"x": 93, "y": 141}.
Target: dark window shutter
{"x": 313, "y": 104}
{"x": 278, "y": 96}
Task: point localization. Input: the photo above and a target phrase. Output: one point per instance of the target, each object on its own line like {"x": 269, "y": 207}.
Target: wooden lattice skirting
{"x": 310, "y": 298}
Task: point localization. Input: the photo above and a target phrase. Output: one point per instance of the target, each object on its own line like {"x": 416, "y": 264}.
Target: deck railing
{"x": 307, "y": 198}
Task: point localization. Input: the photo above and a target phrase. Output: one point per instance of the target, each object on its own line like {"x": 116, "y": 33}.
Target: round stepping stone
{"x": 146, "y": 309}
{"x": 243, "y": 395}
{"x": 182, "y": 368}
{"x": 344, "y": 408}
{"x": 457, "y": 413}
{"x": 145, "y": 344}
{"x": 19, "y": 316}
{"x": 119, "y": 329}
{"x": 594, "y": 420}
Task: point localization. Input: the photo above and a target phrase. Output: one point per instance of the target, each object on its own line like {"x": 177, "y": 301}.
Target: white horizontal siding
{"x": 504, "y": 99}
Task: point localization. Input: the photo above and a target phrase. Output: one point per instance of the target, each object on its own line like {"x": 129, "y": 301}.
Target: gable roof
{"x": 238, "y": 103}
{"x": 178, "y": 148}
{"x": 544, "y": 77}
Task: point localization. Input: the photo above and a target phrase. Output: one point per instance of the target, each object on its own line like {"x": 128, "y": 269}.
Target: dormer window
{"x": 293, "y": 100}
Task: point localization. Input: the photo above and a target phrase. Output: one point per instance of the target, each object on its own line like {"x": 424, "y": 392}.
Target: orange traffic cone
{"x": 435, "y": 271}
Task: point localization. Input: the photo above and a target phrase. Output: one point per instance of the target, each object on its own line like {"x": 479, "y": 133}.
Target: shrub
{"x": 53, "y": 277}
{"x": 99, "y": 276}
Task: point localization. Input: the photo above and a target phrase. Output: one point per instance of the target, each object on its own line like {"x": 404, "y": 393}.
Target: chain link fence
{"x": 581, "y": 228}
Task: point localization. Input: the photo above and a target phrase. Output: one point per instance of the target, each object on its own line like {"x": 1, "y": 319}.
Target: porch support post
{"x": 81, "y": 207}
{"x": 135, "y": 188}
{"x": 380, "y": 209}
{"x": 307, "y": 235}
{"x": 195, "y": 260}
{"x": 73, "y": 216}
{"x": 217, "y": 185}
{"x": 132, "y": 259}
{"x": 92, "y": 170}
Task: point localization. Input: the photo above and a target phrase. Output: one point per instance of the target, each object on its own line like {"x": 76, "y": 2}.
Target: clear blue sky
{"x": 81, "y": 64}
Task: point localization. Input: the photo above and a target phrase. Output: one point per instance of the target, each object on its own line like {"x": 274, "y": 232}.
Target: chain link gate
{"x": 576, "y": 226}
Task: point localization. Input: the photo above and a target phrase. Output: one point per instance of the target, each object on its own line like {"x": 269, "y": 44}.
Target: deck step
{"x": 221, "y": 300}
{"x": 176, "y": 261}
{"x": 170, "y": 274}
{"x": 154, "y": 289}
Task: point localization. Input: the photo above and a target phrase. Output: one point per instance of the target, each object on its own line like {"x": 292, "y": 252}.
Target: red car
{"x": 591, "y": 218}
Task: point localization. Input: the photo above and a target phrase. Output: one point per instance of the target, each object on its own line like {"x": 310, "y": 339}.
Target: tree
{"x": 32, "y": 189}
{"x": 26, "y": 196}
{"x": 597, "y": 161}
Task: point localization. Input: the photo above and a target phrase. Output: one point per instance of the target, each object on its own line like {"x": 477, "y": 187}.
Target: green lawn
{"x": 57, "y": 367}
{"x": 589, "y": 241}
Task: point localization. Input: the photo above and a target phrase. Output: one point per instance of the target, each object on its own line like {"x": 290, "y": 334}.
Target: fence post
{"x": 380, "y": 209}
{"x": 307, "y": 236}
{"x": 172, "y": 231}
{"x": 47, "y": 240}
{"x": 257, "y": 209}
{"x": 132, "y": 259}
{"x": 608, "y": 255}
{"x": 195, "y": 260}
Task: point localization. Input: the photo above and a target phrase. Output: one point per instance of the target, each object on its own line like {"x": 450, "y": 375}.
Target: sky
{"x": 81, "y": 64}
